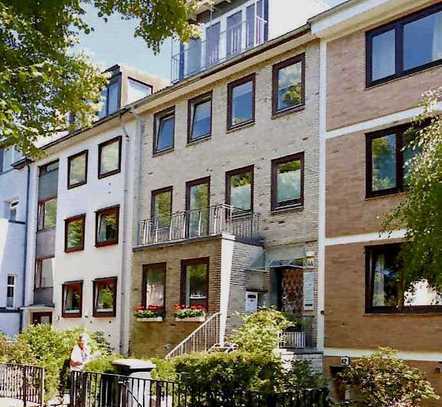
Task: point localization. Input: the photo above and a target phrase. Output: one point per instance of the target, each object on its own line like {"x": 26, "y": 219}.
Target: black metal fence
{"x": 24, "y": 383}
{"x": 106, "y": 390}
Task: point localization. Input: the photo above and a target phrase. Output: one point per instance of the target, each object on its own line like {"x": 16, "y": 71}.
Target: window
{"x": 239, "y": 189}
{"x": 74, "y": 233}
{"x": 77, "y": 170}
{"x": 384, "y": 279}
{"x": 107, "y": 226}
{"x": 110, "y": 98}
{"x": 388, "y": 161}
{"x": 47, "y": 214}
{"x": 407, "y": 45}
{"x": 234, "y": 34}
{"x": 213, "y": 34}
{"x": 195, "y": 282}
{"x": 197, "y": 206}
{"x": 137, "y": 90}
{"x": 10, "y": 292}
{"x": 72, "y": 299}
{"x": 154, "y": 286}
{"x": 241, "y": 102}
{"x": 109, "y": 158}
{"x": 105, "y": 297}
{"x": 288, "y": 181}
{"x": 164, "y": 130}
{"x": 44, "y": 273}
{"x": 13, "y": 208}
{"x": 200, "y": 118}
{"x": 161, "y": 211}
{"x": 288, "y": 84}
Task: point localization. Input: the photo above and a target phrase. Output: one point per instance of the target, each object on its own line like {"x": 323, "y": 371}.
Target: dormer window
{"x": 111, "y": 97}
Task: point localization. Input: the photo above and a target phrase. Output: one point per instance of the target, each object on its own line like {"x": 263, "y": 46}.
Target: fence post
{"x": 42, "y": 388}
{"x": 24, "y": 386}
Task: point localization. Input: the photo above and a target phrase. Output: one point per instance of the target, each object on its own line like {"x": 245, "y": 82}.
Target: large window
{"x": 10, "y": 292}
{"x": 161, "y": 211}
{"x": 197, "y": 206}
{"x": 241, "y": 102}
{"x": 74, "y": 233}
{"x": 385, "y": 283}
{"x": 154, "y": 286}
{"x": 107, "y": 226}
{"x": 288, "y": 84}
{"x": 110, "y": 98}
{"x": 164, "y": 131}
{"x": 195, "y": 282}
{"x": 44, "y": 273}
{"x": 47, "y": 214}
{"x": 288, "y": 181}
{"x": 404, "y": 46}
{"x": 72, "y": 299}
{"x": 239, "y": 189}
{"x": 105, "y": 297}
{"x": 77, "y": 170}
{"x": 388, "y": 161}
{"x": 109, "y": 158}
{"x": 200, "y": 118}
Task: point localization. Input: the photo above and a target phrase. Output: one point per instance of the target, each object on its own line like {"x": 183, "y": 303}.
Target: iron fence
{"x": 21, "y": 382}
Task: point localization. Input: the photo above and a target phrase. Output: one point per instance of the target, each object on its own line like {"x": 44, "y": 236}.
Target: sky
{"x": 113, "y": 43}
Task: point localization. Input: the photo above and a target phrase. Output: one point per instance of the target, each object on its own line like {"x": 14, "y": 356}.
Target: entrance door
{"x": 291, "y": 291}
{"x": 41, "y": 318}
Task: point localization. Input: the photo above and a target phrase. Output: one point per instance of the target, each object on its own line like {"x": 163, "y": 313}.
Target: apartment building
{"x": 78, "y": 208}
{"x": 377, "y": 59}
{"x": 227, "y": 200}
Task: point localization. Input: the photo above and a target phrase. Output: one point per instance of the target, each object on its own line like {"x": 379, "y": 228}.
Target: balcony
{"x": 217, "y": 47}
{"x": 199, "y": 223}
{"x": 43, "y": 296}
{"x": 299, "y": 337}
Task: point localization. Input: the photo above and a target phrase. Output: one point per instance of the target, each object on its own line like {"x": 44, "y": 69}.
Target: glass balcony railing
{"x": 199, "y": 55}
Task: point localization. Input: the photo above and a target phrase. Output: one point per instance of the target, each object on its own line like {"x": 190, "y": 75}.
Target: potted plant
{"x": 151, "y": 313}
{"x": 194, "y": 313}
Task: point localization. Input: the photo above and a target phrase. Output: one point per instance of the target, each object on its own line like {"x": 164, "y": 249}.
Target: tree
{"x": 382, "y": 379}
{"x": 420, "y": 211}
{"x": 42, "y": 80}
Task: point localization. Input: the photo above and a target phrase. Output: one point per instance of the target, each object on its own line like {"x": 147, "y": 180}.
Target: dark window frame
{"x": 195, "y": 182}
{"x": 37, "y": 266}
{"x": 95, "y": 287}
{"x": 189, "y": 262}
{"x": 156, "y": 192}
{"x": 43, "y": 169}
{"x": 192, "y": 103}
{"x": 70, "y": 159}
{"x": 118, "y": 140}
{"x": 64, "y": 286}
{"x": 145, "y": 272}
{"x": 397, "y": 25}
{"x": 148, "y": 85}
{"x": 156, "y": 127}
{"x": 238, "y": 171}
{"x": 296, "y": 203}
{"x": 81, "y": 217}
{"x": 399, "y": 132}
{"x": 117, "y": 78}
{"x": 275, "y": 71}
{"x": 369, "y": 287}
{"x": 230, "y": 87}
{"x": 111, "y": 209}
{"x": 41, "y": 213}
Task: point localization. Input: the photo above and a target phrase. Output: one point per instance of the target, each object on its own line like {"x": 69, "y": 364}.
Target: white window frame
{"x": 14, "y": 286}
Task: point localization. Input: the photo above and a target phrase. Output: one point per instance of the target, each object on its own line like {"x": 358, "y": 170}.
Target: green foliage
{"x": 382, "y": 379}
{"x": 420, "y": 212}
{"x": 164, "y": 369}
{"x": 300, "y": 375}
{"x": 260, "y": 331}
{"x": 42, "y": 80}
{"x": 102, "y": 364}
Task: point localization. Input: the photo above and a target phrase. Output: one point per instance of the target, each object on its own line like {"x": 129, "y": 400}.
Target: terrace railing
{"x": 299, "y": 337}
{"x": 23, "y": 383}
{"x": 196, "y": 223}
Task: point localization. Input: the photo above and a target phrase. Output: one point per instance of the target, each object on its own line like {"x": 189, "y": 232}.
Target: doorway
{"x": 41, "y": 318}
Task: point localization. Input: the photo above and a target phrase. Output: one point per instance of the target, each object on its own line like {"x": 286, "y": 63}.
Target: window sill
{"x": 104, "y": 244}
{"x": 160, "y": 153}
{"x": 278, "y": 211}
{"x": 411, "y": 313}
{"x": 282, "y": 113}
{"x": 76, "y": 185}
{"x": 109, "y": 174}
{"x": 372, "y": 197}
{"x": 240, "y": 126}
{"x": 198, "y": 141}
{"x": 69, "y": 316}
{"x": 73, "y": 250}
{"x": 104, "y": 315}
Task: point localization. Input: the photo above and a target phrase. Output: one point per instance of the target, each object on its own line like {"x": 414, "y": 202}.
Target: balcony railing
{"x": 44, "y": 296}
{"x": 199, "y": 55}
{"x": 300, "y": 336}
{"x": 196, "y": 223}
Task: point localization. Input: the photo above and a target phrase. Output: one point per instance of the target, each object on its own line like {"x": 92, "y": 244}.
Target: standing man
{"x": 80, "y": 354}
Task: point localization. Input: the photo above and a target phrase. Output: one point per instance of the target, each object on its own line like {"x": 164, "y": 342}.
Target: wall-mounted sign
{"x": 309, "y": 290}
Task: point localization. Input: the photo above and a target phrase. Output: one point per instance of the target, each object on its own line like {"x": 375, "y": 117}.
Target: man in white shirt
{"x": 80, "y": 354}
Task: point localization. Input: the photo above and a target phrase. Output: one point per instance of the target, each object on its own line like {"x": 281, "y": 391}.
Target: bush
{"x": 164, "y": 369}
{"x": 260, "y": 331}
{"x": 300, "y": 376}
{"x": 382, "y": 379}
{"x": 102, "y": 364}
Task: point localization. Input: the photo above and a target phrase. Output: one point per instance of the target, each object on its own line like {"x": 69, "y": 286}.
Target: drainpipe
{"x": 25, "y": 255}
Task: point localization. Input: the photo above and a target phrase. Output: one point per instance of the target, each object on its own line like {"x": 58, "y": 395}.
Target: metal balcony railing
{"x": 199, "y": 55}
{"x": 196, "y": 223}
{"x": 300, "y": 336}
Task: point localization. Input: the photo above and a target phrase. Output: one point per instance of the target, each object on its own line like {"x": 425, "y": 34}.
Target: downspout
{"x": 25, "y": 255}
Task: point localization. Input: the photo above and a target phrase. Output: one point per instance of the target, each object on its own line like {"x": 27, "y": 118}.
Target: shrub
{"x": 382, "y": 379}
{"x": 164, "y": 369}
{"x": 102, "y": 364}
{"x": 260, "y": 331}
{"x": 300, "y": 376}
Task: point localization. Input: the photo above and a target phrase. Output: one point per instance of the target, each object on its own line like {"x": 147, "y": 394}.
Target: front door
{"x": 291, "y": 291}
{"x": 41, "y": 318}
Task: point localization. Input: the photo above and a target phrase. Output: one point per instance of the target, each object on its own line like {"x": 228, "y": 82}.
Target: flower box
{"x": 194, "y": 313}
{"x": 201, "y": 318}
{"x": 152, "y": 313}
{"x": 151, "y": 319}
